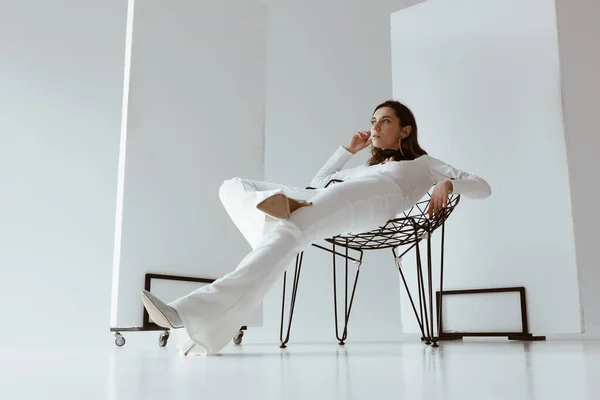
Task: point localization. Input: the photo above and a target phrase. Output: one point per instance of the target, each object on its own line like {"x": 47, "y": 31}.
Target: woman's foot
{"x": 280, "y": 206}
{"x": 162, "y": 314}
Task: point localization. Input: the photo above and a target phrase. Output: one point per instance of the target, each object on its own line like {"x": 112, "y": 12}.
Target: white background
{"x": 579, "y": 35}
{"x": 487, "y": 95}
{"x": 196, "y": 118}
{"x": 61, "y": 85}
{"x": 61, "y": 94}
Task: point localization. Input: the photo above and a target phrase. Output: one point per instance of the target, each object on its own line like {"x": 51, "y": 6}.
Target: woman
{"x": 280, "y": 221}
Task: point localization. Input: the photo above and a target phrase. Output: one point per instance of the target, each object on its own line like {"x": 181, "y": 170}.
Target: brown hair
{"x": 410, "y": 144}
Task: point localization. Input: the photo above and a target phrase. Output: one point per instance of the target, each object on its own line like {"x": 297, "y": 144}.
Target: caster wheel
{"x": 119, "y": 340}
{"x": 238, "y": 338}
{"x": 163, "y": 339}
{"x": 435, "y": 344}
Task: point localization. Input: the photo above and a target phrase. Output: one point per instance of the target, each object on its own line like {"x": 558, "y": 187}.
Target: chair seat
{"x": 407, "y": 228}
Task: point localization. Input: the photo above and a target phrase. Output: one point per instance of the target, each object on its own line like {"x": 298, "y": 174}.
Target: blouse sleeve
{"x": 471, "y": 186}
{"x": 332, "y": 169}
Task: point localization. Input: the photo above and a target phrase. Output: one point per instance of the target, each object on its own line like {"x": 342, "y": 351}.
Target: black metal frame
{"x": 347, "y": 302}
{"x": 148, "y": 326}
{"x": 283, "y": 341}
{"x": 408, "y": 230}
{"x": 148, "y": 284}
{"x": 523, "y": 335}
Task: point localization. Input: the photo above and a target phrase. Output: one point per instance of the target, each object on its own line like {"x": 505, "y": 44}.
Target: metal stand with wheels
{"x": 120, "y": 341}
{"x": 237, "y": 339}
{"x": 147, "y": 326}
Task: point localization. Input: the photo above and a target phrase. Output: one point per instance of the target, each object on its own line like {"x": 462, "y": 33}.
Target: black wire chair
{"x": 407, "y": 231}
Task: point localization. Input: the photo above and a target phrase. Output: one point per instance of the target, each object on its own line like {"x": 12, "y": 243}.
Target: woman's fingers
{"x": 367, "y": 138}
{"x": 431, "y": 209}
{"x": 435, "y": 205}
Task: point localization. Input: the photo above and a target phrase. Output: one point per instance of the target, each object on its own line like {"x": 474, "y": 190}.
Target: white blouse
{"x": 414, "y": 177}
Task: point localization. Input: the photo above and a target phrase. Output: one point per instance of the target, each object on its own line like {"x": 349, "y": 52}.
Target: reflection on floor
{"x": 482, "y": 369}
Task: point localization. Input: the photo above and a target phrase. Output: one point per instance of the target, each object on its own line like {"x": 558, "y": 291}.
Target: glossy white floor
{"x": 405, "y": 370}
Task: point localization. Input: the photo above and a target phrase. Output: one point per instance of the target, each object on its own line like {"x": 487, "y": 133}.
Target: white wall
{"x": 579, "y": 34}
{"x": 61, "y": 80}
{"x": 328, "y": 66}
{"x": 196, "y": 118}
{"x": 483, "y": 79}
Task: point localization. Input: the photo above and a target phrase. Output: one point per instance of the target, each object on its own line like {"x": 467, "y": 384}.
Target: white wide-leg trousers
{"x": 213, "y": 314}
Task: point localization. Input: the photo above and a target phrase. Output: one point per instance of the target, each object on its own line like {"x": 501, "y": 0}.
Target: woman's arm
{"x": 468, "y": 185}
{"x": 332, "y": 169}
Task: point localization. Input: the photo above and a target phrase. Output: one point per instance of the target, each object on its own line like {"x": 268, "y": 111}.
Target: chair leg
{"x": 430, "y": 279}
{"x": 285, "y": 340}
{"x": 441, "y": 295}
{"x": 348, "y": 305}
{"x": 425, "y": 313}
{"x": 412, "y": 303}
{"x": 434, "y": 336}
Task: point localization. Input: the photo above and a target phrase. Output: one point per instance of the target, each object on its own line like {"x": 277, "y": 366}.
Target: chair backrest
{"x": 418, "y": 213}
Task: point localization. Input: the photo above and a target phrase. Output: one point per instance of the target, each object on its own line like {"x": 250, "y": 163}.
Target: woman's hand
{"x": 439, "y": 197}
{"x": 389, "y": 159}
{"x": 359, "y": 141}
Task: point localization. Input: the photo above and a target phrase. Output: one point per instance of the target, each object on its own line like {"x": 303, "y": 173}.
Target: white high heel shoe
{"x": 162, "y": 314}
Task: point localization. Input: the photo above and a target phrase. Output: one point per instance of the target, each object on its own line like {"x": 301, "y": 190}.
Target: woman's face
{"x": 385, "y": 129}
